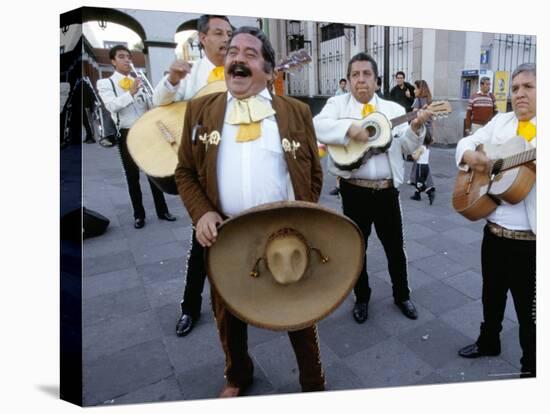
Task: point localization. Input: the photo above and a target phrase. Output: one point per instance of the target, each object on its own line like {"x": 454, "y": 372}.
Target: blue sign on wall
{"x": 471, "y": 72}
{"x": 484, "y": 57}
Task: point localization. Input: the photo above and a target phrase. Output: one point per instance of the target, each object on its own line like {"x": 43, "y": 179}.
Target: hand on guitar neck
{"x": 422, "y": 116}
{"x": 477, "y": 161}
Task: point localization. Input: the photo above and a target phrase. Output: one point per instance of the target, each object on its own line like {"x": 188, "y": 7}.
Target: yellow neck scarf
{"x": 367, "y": 109}
{"x": 216, "y": 74}
{"x": 126, "y": 83}
{"x": 527, "y": 130}
{"x": 248, "y": 114}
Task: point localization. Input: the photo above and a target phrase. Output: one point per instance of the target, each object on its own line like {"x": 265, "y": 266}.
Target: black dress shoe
{"x": 335, "y": 191}
{"x": 407, "y": 308}
{"x": 167, "y": 216}
{"x": 474, "y": 351}
{"x": 139, "y": 223}
{"x": 360, "y": 312}
{"x": 185, "y": 324}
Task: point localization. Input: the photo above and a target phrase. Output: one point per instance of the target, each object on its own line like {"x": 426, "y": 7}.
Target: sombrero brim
{"x": 262, "y": 301}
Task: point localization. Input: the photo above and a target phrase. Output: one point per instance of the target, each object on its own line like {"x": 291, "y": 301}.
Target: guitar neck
{"x": 518, "y": 159}
{"x": 409, "y": 116}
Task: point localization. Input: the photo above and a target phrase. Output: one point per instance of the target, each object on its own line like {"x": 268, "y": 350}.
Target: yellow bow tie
{"x": 248, "y": 114}
{"x": 126, "y": 83}
{"x": 527, "y": 130}
{"x": 216, "y": 74}
{"x": 367, "y": 109}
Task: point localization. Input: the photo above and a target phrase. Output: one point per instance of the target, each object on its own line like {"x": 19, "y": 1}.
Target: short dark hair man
{"x": 341, "y": 87}
{"x": 125, "y": 101}
{"x": 232, "y": 157}
{"x": 182, "y": 82}
{"x": 370, "y": 193}
{"x": 403, "y": 92}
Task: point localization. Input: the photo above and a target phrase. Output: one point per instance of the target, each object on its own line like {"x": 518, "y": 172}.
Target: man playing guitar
{"x": 182, "y": 83}
{"x": 509, "y": 240}
{"x": 369, "y": 192}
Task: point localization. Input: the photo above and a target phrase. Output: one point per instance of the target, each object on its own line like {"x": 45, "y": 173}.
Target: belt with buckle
{"x": 500, "y": 231}
{"x": 372, "y": 184}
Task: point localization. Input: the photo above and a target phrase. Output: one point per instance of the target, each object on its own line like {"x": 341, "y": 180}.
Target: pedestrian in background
{"x": 423, "y": 98}
{"x": 482, "y": 107}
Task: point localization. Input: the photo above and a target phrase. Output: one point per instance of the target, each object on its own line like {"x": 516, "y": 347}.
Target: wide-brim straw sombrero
{"x": 285, "y": 265}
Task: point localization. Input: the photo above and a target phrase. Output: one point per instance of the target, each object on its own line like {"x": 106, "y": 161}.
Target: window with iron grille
{"x": 511, "y": 50}
{"x": 400, "y": 53}
{"x": 332, "y": 57}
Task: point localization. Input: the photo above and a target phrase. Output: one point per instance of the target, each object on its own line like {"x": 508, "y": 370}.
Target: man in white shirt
{"x": 341, "y": 87}
{"x": 508, "y": 249}
{"x": 240, "y": 149}
{"x": 124, "y": 99}
{"x": 181, "y": 83}
{"x": 369, "y": 194}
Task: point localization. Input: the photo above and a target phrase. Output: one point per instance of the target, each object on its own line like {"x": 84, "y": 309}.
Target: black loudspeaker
{"x": 93, "y": 224}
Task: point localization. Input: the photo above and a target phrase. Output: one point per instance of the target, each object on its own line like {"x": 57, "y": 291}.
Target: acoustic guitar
{"x": 350, "y": 157}
{"x": 154, "y": 139}
{"x": 511, "y": 177}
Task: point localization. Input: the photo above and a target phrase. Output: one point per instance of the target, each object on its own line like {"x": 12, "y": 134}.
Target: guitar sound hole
{"x": 371, "y": 130}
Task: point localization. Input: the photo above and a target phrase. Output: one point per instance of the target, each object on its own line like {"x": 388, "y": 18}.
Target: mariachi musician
{"x": 369, "y": 193}
{"x": 182, "y": 83}
{"x": 126, "y": 101}
{"x": 509, "y": 238}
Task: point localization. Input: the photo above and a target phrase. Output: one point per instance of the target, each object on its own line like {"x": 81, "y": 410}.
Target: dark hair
{"x": 204, "y": 20}
{"x": 343, "y": 79}
{"x": 423, "y": 90}
{"x": 483, "y": 80}
{"x": 268, "y": 52}
{"x": 379, "y": 81}
{"x": 525, "y": 67}
{"x": 360, "y": 57}
{"x": 114, "y": 49}
{"x": 428, "y": 139}
{"x": 400, "y": 72}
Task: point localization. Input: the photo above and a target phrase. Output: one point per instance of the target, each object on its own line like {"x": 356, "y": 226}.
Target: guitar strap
{"x": 117, "y": 116}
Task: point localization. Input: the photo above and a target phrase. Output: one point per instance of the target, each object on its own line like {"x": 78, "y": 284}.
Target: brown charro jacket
{"x": 196, "y": 175}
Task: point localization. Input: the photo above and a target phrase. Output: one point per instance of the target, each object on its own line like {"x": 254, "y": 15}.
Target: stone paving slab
{"x": 121, "y": 372}
{"x": 378, "y": 366}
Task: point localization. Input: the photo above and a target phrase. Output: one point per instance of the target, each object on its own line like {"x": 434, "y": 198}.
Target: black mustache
{"x": 241, "y": 67}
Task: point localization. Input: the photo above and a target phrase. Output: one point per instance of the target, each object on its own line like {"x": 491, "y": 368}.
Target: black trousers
{"x": 509, "y": 265}
{"x": 422, "y": 173}
{"x": 381, "y": 208}
{"x": 194, "y": 280}
{"x": 131, "y": 170}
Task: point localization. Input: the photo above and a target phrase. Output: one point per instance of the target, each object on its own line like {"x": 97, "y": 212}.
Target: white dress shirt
{"x": 503, "y": 126}
{"x": 254, "y": 172}
{"x": 129, "y": 108}
{"x": 166, "y": 93}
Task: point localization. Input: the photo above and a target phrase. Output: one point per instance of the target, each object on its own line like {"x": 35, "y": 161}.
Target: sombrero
{"x": 285, "y": 265}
